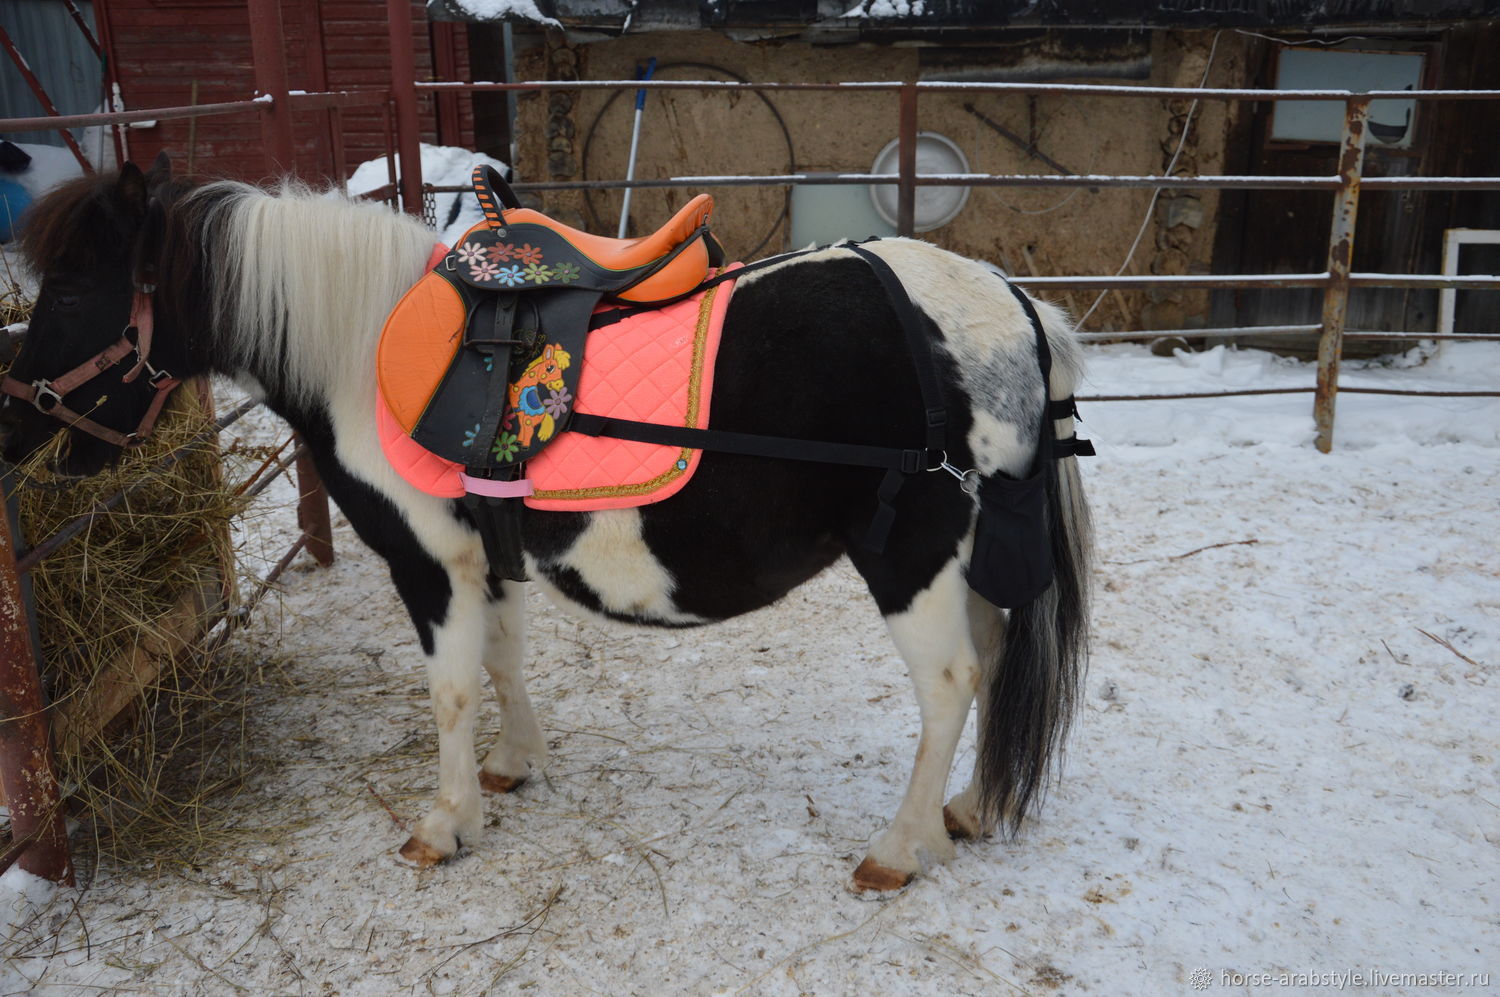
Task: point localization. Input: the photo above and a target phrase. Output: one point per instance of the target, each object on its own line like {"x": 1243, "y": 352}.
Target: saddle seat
{"x": 659, "y": 267}
{"x": 626, "y": 254}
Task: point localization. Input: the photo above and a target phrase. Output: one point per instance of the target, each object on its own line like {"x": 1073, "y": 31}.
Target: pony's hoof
{"x": 956, "y": 828}
{"x": 421, "y": 854}
{"x": 491, "y": 783}
{"x": 871, "y": 875}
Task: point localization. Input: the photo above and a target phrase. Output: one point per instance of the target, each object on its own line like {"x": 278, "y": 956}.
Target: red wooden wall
{"x": 160, "y": 48}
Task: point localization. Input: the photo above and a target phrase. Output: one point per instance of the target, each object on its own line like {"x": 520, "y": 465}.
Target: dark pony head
{"x": 91, "y": 242}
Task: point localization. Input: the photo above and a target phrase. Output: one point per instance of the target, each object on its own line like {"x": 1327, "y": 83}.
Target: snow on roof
{"x": 502, "y": 10}
{"x": 887, "y": 9}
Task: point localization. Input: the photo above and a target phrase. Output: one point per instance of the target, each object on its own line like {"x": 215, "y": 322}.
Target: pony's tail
{"x": 1036, "y": 671}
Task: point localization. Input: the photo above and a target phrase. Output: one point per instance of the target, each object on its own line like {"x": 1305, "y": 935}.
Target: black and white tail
{"x": 1033, "y": 681}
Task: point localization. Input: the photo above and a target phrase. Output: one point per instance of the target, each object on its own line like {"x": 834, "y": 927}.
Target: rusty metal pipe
{"x": 1009, "y": 180}
{"x": 1340, "y": 257}
{"x": 1286, "y": 391}
{"x": 27, "y": 773}
{"x": 125, "y": 117}
{"x": 312, "y": 510}
{"x": 301, "y": 101}
{"x": 83, "y": 26}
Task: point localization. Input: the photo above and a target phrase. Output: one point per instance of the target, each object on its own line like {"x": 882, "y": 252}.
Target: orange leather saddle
{"x": 479, "y": 362}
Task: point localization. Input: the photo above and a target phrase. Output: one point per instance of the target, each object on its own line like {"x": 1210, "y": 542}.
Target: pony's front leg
{"x": 933, "y": 636}
{"x": 520, "y": 750}
{"x": 454, "y": 654}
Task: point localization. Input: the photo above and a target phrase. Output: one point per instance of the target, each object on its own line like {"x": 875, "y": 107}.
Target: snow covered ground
{"x": 1286, "y": 762}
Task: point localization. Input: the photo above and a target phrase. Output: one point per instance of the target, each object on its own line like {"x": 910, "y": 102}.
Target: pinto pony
{"x": 286, "y": 291}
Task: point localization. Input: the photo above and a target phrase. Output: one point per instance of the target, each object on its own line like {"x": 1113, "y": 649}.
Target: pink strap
{"x": 141, "y": 318}
{"x": 496, "y": 489}
{"x": 438, "y": 252}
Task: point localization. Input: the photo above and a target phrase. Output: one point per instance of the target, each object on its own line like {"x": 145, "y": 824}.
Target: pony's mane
{"x": 294, "y": 283}
{"x": 55, "y": 235}
{"x": 301, "y": 280}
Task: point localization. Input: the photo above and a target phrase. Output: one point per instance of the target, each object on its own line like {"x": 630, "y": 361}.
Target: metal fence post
{"x": 1340, "y": 255}
{"x": 906, "y": 160}
{"x": 27, "y": 774}
{"x": 404, "y": 96}
{"x": 268, "y": 56}
{"x": 312, "y": 511}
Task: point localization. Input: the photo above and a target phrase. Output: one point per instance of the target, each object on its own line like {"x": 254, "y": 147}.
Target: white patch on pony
{"x": 250, "y": 386}
{"x": 998, "y": 445}
{"x": 836, "y": 252}
{"x": 612, "y": 559}
{"x": 989, "y": 336}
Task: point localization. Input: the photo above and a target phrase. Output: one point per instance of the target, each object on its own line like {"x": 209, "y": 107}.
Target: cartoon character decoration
{"x": 534, "y": 414}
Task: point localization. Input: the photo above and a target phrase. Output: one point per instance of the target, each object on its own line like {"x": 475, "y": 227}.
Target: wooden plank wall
{"x": 161, "y": 48}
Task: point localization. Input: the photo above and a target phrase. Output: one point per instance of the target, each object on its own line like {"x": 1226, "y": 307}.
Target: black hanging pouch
{"x": 1012, "y": 560}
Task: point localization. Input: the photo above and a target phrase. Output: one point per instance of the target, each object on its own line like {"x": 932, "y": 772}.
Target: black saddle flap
{"x": 540, "y": 384}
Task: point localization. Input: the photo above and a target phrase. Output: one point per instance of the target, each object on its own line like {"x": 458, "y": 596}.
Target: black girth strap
{"x": 750, "y": 444}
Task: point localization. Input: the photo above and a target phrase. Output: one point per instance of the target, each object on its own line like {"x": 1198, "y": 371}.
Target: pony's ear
{"x": 131, "y": 188}
{"x": 161, "y": 170}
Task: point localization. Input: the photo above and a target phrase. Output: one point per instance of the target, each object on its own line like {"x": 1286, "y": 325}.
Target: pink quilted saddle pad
{"x": 655, "y": 366}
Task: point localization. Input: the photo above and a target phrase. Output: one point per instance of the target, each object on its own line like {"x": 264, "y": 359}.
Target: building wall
{"x": 1025, "y": 230}
{"x": 163, "y": 49}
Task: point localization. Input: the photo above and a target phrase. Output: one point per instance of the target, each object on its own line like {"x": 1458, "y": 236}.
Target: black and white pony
{"x": 287, "y": 290}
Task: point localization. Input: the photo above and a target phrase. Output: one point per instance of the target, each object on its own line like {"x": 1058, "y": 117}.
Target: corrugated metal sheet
{"x": 61, "y": 58}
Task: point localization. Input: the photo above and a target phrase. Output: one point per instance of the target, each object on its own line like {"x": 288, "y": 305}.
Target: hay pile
{"x": 148, "y": 719}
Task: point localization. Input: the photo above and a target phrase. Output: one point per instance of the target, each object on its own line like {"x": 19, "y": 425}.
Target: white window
{"x": 1392, "y": 122}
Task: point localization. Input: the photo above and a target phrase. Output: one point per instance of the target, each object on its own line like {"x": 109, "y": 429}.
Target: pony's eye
{"x": 67, "y": 300}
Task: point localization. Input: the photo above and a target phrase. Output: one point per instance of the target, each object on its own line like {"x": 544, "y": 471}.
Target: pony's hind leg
{"x": 520, "y": 749}
{"x": 964, "y": 816}
{"x": 933, "y": 637}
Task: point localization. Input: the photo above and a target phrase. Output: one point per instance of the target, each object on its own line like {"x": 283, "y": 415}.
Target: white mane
{"x": 305, "y": 280}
